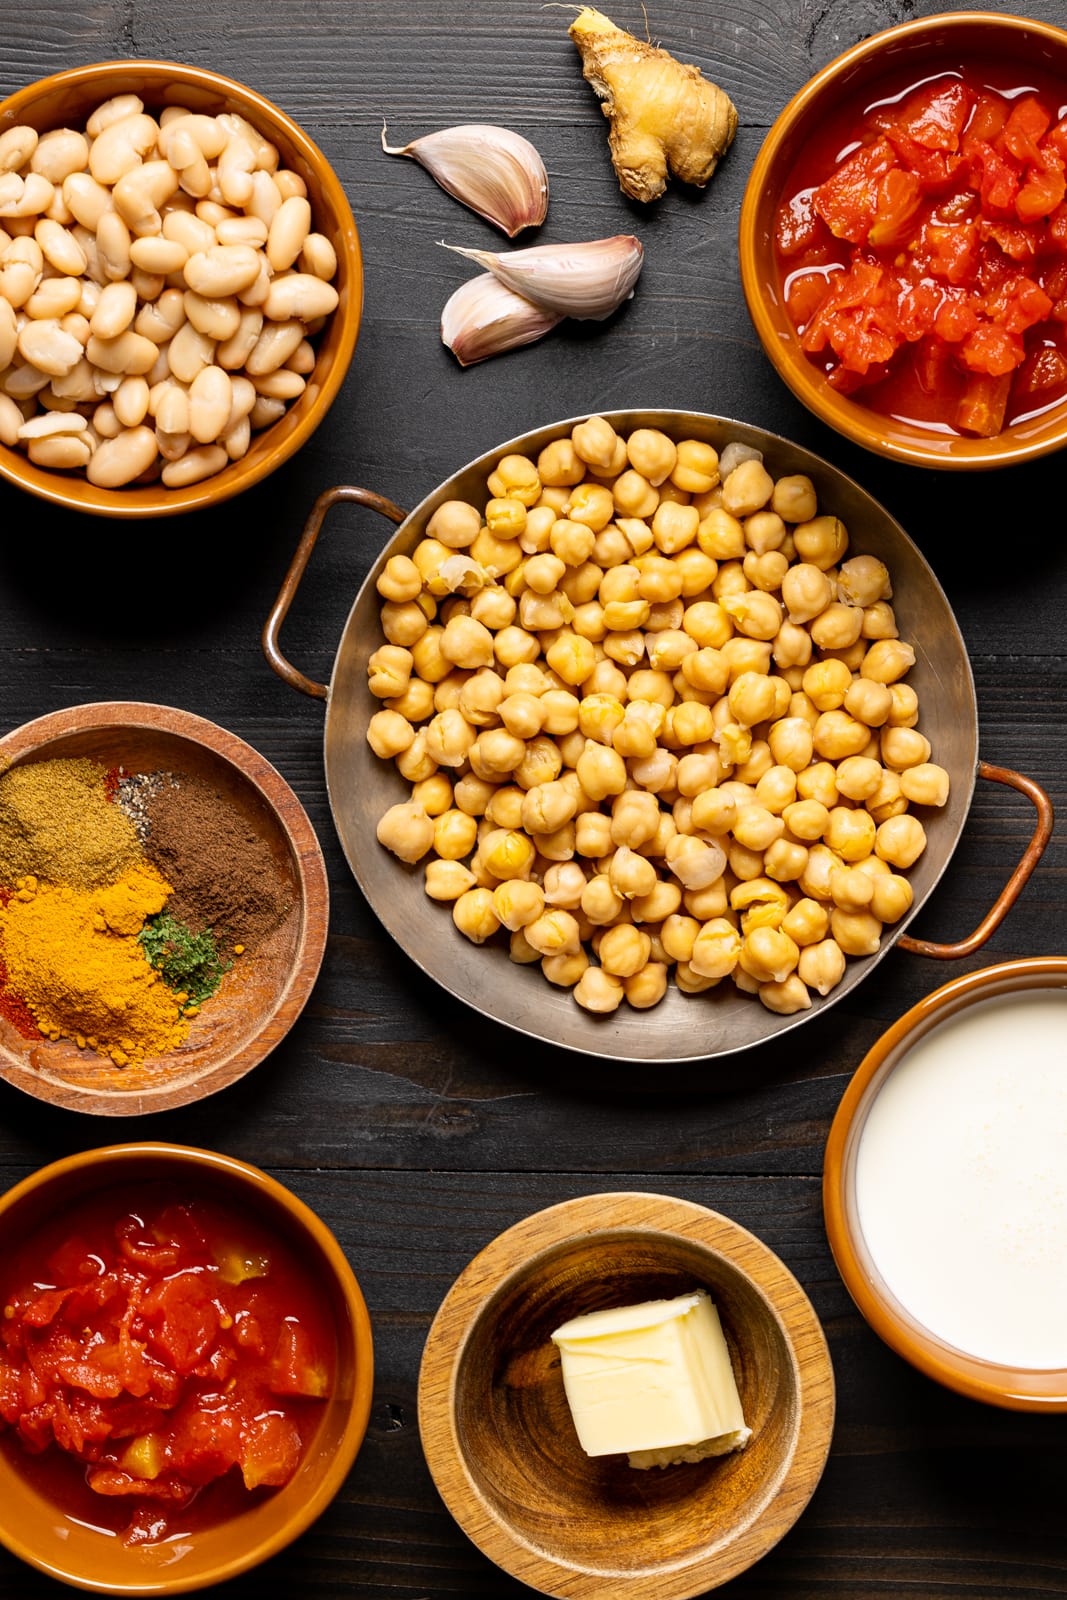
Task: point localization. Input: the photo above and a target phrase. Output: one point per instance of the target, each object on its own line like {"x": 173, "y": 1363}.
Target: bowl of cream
{"x": 945, "y": 1185}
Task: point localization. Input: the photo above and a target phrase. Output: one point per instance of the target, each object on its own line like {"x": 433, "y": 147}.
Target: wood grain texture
{"x": 418, "y": 1131}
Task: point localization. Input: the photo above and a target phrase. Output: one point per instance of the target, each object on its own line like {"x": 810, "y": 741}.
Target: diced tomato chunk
{"x": 982, "y": 406}
{"x": 270, "y": 1453}
{"x": 296, "y": 1367}
{"x": 183, "y": 1320}
{"x": 900, "y": 195}
{"x": 1028, "y": 121}
{"x": 992, "y": 349}
{"x": 1040, "y": 195}
{"x": 847, "y": 201}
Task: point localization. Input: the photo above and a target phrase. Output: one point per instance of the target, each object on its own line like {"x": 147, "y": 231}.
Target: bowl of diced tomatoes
{"x": 185, "y": 1369}
{"x": 903, "y": 241}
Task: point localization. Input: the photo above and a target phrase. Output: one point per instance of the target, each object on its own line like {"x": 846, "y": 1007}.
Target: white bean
{"x": 290, "y": 183}
{"x": 218, "y": 319}
{"x": 289, "y": 229}
{"x": 223, "y": 270}
{"x": 125, "y": 356}
{"x": 234, "y": 352}
{"x": 115, "y": 311}
{"x": 161, "y": 320}
{"x": 189, "y": 230}
{"x": 86, "y": 199}
{"x": 120, "y": 460}
{"x": 131, "y": 401}
{"x": 60, "y": 248}
{"x": 210, "y": 397}
{"x": 50, "y": 422}
{"x": 172, "y": 446}
{"x": 236, "y": 440}
{"x": 16, "y": 147}
{"x": 280, "y": 385}
{"x": 318, "y": 256}
{"x": 242, "y": 230}
{"x": 9, "y": 333}
{"x": 45, "y": 345}
{"x": 195, "y": 466}
{"x": 78, "y": 387}
{"x": 299, "y": 294}
{"x": 157, "y": 254}
{"x": 265, "y": 412}
{"x": 24, "y": 380}
{"x": 121, "y": 146}
{"x": 189, "y": 352}
{"x": 147, "y": 285}
{"x": 139, "y": 193}
{"x": 54, "y": 297}
{"x": 106, "y": 424}
{"x": 60, "y": 153}
{"x": 113, "y": 110}
{"x": 265, "y": 201}
{"x": 277, "y": 342}
{"x": 37, "y": 195}
{"x": 63, "y": 452}
{"x": 169, "y": 405}
{"x": 113, "y": 246}
{"x": 11, "y": 420}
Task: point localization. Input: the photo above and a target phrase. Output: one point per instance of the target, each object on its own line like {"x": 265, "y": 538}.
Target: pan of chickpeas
{"x": 648, "y": 734}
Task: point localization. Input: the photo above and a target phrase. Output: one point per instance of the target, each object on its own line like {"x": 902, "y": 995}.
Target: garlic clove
{"x": 495, "y": 172}
{"x": 587, "y": 281}
{"x": 484, "y": 318}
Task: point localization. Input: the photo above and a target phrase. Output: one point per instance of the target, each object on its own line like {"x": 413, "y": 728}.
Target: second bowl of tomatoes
{"x": 903, "y": 241}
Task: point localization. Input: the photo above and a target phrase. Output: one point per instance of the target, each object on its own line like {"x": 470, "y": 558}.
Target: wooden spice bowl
{"x": 264, "y": 991}
{"x": 497, "y": 1431}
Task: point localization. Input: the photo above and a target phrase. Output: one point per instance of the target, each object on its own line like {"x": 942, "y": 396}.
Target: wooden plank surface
{"x": 417, "y": 1130}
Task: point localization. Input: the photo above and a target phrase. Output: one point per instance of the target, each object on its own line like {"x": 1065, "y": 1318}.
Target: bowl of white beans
{"x": 181, "y": 288}
{"x": 649, "y": 734}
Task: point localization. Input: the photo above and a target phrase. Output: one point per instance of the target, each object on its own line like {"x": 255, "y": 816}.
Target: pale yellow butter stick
{"x": 653, "y": 1382}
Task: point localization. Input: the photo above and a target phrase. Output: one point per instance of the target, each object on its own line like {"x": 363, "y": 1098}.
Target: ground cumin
{"x": 57, "y": 823}
{"x": 225, "y": 876}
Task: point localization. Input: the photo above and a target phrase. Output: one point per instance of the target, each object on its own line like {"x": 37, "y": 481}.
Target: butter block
{"x": 652, "y": 1381}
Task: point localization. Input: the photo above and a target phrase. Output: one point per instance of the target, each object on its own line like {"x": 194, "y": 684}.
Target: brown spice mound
{"x": 225, "y": 876}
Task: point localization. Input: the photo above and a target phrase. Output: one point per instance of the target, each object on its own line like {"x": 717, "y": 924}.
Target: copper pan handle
{"x": 1010, "y": 892}
{"x": 291, "y": 583}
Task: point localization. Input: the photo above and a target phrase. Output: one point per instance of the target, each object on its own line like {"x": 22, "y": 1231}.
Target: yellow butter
{"x": 652, "y": 1381}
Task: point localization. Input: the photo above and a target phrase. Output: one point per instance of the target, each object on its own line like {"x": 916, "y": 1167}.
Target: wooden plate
{"x": 498, "y": 1435}
{"x": 260, "y": 997}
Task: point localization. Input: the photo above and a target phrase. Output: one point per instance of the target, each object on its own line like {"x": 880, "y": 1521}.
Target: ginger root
{"x": 663, "y": 115}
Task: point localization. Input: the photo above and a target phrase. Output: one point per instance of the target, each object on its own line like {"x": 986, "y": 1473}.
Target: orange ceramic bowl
{"x": 36, "y": 1528}
{"x": 66, "y": 100}
{"x": 962, "y": 1210}
{"x": 925, "y": 45}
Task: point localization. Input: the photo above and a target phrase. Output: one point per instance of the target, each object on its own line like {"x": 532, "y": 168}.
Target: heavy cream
{"x": 653, "y": 1381}
{"x": 961, "y": 1180}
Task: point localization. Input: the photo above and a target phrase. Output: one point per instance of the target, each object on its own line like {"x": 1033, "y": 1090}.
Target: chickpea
{"x": 572, "y": 543}
{"x": 714, "y": 812}
{"x": 388, "y": 733}
{"x": 776, "y": 788}
{"x": 678, "y": 935}
{"x": 826, "y": 683}
{"x": 765, "y": 571}
{"x": 747, "y": 488}
{"x": 837, "y": 735}
{"x": 850, "y": 833}
{"x": 755, "y": 613}
{"x": 892, "y": 897}
{"x": 794, "y": 498}
{"x": 806, "y": 922}
{"x": 414, "y": 763}
{"x": 664, "y": 900}
{"x": 601, "y": 772}
{"x": 786, "y": 998}
{"x": 554, "y": 933}
{"x": 925, "y": 784}
{"x": 447, "y": 880}
{"x": 689, "y": 981}
{"x": 624, "y": 950}
{"x": 522, "y": 714}
{"x": 821, "y": 540}
{"x": 647, "y": 987}
{"x": 765, "y": 534}
{"x": 634, "y": 818}
{"x": 730, "y": 580}
{"x": 819, "y": 782}
{"x": 515, "y": 478}
{"x": 631, "y": 875}
{"x": 858, "y": 777}
{"x": 467, "y": 643}
{"x": 389, "y": 671}
{"x": 755, "y": 827}
{"x": 716, "y": 949}
{"x": 595, "y": 442}
{"x": 406, "y": 830}
{"x": 721, "y": 535}
{"x": 821, "y": 966}
{"x": 591, "y": 505}
{"x": 674, "y": 526}
{"x": 652, "y": 454}
{"x": 768, "y": 955}
{"x": 696, "y": 467}
{"x": 851, "y": 889}
{"x": 887, "y": 660}
{"x": 815, "y": 879}
{"x": 547, "y": 806}
{"x": 900, "y": 840}
{"x": 560, "y": 465}
{"x": 561, "y": 711}
{"x": 904, "y": 712}
{"x": 858, "y": 933}
{"x": 598, "y": 991}
{"x": 696, "y": 863}
{"x": 790, "y": 740}
{"x": 474, "y": 916}
{"x": 706, "y": 904}
{"x": 863, "y": 580}
{"x": 633, "y": 495}
{"x": 904, "y": 747}
{"x": 400, "y": 579}
{"x": 572, "y": 658}
{"x": 433, "y": 794}
{"x": 784, "y": 860}
{"x": 541, "y": 763}
{"x": 807, "y": 820}
{"x": 836, "y": 627}
{"x": 879, "y": 622}
{"x": 521, "y": 951}
{"x": 505, "y": 806}
{"x": 868, "y": 702}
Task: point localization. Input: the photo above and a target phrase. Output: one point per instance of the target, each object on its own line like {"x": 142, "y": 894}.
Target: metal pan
{"x": 682, "y": 1027}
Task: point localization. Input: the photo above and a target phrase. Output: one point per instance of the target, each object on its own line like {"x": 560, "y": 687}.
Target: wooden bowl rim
{"x": 106, "y": 1164}
{"x": 76, "y": 493}
{"x": 308, "y": 864}
{"x": 994, "y": 1383}
{"x": 510, "y": 1254}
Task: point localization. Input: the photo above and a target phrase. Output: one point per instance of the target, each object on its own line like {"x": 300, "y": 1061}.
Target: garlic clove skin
{"x": 496, "y": 172}
{"x": 484, "y": 318}
{"x": 587, "y": 281}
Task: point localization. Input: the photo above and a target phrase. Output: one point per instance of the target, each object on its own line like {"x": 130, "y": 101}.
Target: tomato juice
{"x": 162, "y": 1359}
{"x": 921, "y": 246}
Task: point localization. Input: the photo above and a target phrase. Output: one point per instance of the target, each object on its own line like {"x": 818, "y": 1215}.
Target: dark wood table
{"x": 415, "y": 1128}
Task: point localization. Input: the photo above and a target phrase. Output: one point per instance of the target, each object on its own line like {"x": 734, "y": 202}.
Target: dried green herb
{"x": 187, "y": 962}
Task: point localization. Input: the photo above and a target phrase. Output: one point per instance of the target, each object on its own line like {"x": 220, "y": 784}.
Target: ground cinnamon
{"x": 225, "y": 875}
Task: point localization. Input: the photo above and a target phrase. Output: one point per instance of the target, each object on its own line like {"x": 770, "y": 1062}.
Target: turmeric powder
{"x": 662, "y": 114}
{"x": 74, "y": 957}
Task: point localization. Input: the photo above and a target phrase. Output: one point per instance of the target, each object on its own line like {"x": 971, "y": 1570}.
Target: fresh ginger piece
{"x": 663, "y": 115}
